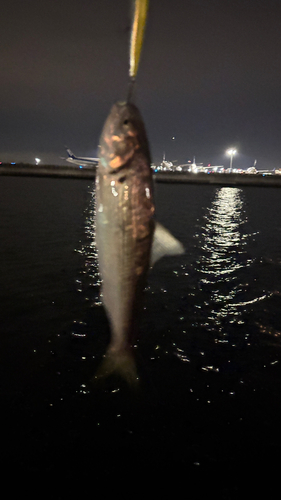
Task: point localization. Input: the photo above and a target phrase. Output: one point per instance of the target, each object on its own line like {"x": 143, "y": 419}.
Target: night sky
{"x": 210, "y": 76}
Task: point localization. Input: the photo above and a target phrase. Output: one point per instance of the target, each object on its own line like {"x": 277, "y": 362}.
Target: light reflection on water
{"x": 224, "y": 259}
{"x": 89, "y": 281}
{"x": 214, "y": 293}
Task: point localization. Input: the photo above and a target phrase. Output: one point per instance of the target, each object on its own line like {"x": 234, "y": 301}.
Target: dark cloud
{"x": 209, "y": 75}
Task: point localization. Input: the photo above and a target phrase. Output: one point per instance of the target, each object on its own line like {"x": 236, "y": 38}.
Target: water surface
{"x": 208, "y": 352}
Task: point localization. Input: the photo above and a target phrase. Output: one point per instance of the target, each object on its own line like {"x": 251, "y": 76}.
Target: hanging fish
{"x": 128, "y": 239}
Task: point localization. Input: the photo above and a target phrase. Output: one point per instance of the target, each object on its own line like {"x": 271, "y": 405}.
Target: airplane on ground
{"x": 79, "y": 160}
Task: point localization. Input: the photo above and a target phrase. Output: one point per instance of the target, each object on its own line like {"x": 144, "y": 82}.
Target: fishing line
{"x": 130, "y": 90}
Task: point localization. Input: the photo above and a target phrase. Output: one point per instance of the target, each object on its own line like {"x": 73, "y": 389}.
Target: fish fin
{"x": 120, "y": 363}
{"x": 164, "y": 243}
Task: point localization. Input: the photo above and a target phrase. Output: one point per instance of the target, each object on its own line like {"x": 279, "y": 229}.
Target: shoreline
{"x": 75, "y": 172}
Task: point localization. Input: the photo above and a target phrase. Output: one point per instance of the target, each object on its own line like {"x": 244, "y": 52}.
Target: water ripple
{"x": 89, "y": 280}
{"x": 223, "y": 253}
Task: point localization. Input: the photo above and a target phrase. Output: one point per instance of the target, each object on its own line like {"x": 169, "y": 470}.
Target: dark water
{"x": 207, "y": 418}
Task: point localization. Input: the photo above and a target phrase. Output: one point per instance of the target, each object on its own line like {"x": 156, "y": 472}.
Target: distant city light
{"x": 37, "y": 161}
{"x": 231, "y": 152}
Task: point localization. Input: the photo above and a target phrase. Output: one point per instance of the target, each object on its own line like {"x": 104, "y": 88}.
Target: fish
{"x": 128, "y": 238}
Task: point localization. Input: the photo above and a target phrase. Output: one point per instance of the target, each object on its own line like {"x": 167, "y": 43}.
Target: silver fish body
{"x": 125, "y": 228}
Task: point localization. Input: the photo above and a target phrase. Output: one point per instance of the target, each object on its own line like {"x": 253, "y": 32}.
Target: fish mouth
{"x": 122, "y": 136}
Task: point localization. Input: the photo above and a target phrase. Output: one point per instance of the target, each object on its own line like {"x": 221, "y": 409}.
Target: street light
{"x": 231, "y": 152}
{"x": 37, "y": 161}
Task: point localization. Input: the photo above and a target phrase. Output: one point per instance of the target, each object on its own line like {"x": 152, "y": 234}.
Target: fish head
{"x": 123, "y": 134}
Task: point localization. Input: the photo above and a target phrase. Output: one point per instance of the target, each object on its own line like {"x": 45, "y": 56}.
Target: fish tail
{"x": 120, "y": 363}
